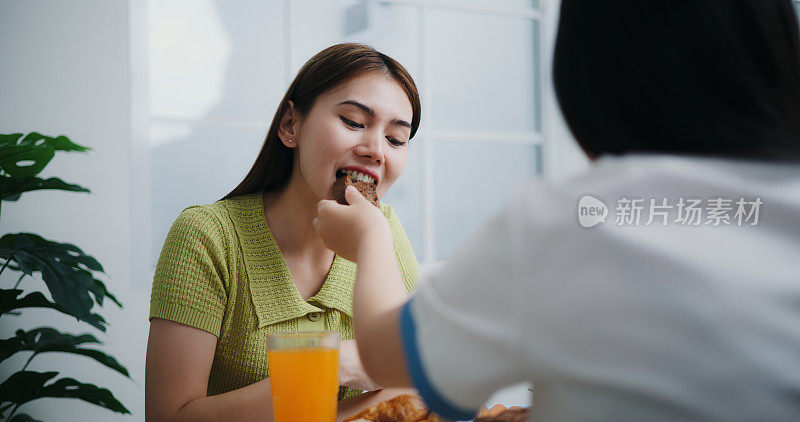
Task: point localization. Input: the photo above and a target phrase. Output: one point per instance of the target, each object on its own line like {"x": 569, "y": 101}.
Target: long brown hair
{"x": 328, "y": 69}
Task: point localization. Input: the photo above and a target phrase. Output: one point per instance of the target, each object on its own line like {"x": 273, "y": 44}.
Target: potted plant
{"x": 70, "y": 277}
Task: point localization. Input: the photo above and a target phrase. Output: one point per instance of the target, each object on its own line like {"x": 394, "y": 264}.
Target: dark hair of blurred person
{"x": 698, "y": 77}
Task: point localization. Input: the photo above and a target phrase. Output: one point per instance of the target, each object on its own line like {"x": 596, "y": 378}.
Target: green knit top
{"x": 221, "y": 271}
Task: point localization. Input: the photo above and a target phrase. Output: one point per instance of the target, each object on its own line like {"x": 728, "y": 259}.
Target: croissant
{"x": 410, "y": 408}
{"x": 403, "y": 408}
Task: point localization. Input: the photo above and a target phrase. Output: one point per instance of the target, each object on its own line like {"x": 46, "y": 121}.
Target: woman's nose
{"x": 371, "y": 147}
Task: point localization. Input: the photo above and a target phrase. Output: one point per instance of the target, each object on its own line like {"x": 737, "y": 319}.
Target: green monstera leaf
{"x": 26, "y": 157}
{"x": 25, "y": 386}
{"x": 46, "y": 339}
{"x": 71, "y": 279}
{"x": 66, "y": 270}
{"x": 11, "y": 188}
{"x": 21, "y": 417}
{"x": 11, "y": 301}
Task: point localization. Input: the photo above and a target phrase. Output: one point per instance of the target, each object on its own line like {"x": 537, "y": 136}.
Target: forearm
{"x": 254, "y": 403}
{"x": 377, "y": 298}
{"x": 251, "y": 403}
{"x": 379, "y": 283}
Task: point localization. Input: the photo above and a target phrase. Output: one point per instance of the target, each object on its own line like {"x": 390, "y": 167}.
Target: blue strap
{"x": 436, "y": 403}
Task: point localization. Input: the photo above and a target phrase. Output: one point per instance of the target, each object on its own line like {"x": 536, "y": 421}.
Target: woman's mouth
{"x": 357, "y": 174}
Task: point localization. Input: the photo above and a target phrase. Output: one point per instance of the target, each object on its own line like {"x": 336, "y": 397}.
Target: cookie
{"x": 367, "y": 189}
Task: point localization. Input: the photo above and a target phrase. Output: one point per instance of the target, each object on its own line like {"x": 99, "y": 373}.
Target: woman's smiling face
{"x": 363, "y": 126}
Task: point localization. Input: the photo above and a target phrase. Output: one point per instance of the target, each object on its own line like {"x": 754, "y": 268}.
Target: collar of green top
{"x": 274, "y": 293}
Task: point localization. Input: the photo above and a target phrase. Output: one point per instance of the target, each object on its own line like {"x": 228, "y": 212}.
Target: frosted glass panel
{"x": 472, "y": 180}
{"x": 195, "y": 166}
{"x": 797, "y": 11}
{"x": 218, "y": 60}
{"x": 502, "y": 4}
{"x": 481, "y": 72}
{"x": 407, "y": 196}
{"x": 389, "y": 28}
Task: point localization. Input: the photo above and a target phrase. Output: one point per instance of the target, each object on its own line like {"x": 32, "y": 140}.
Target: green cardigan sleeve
{"x": 190, "y": 277}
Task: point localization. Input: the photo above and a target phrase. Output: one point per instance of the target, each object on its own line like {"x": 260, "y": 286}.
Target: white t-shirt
{"x": 666, "y": 321}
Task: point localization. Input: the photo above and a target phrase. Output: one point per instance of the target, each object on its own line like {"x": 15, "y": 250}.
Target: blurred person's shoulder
{"x": 646, "y": 177}
{"x": 618, "y": 175}
{"x": 638, "y": 199}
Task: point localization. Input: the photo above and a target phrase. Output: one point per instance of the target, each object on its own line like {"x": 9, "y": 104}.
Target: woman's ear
{"x": 288, "y": 127}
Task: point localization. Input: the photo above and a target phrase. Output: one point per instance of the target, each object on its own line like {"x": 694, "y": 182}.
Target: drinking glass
{"x": 304, "y": 375}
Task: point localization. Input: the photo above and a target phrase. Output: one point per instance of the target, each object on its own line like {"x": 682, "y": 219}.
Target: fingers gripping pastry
{"x": 403, "y": 408}
{"x": 365, "y": 184}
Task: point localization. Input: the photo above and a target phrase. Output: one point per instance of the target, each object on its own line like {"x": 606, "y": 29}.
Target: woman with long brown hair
{"x": 251, "y": 264}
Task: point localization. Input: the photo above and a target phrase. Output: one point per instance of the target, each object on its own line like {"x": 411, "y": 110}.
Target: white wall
{"x": 65, "y": 70}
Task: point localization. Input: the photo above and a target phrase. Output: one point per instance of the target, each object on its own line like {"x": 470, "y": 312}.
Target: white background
{"x": 175, "y": 97}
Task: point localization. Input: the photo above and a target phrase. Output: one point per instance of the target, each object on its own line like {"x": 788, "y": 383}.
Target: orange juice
{"x": 304, "y": 384}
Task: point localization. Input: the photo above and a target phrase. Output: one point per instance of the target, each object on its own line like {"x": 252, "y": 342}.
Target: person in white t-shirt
{"x": 663, "y": 284}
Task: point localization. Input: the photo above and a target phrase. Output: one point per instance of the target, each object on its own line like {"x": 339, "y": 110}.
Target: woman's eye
{"x": 351, "y": 123}
{"x": 395, "y": 142}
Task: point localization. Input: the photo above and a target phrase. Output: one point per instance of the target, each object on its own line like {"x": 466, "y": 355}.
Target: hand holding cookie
{"x": 343, "y": 227}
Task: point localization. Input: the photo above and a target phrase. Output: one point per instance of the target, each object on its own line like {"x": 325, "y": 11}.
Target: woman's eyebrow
{"x": 371, "y": 112}
{"x": 366, "y": 109}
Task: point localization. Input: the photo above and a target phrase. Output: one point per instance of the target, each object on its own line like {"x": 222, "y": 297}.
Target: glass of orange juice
{"x": 304, "y": 375}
